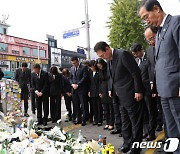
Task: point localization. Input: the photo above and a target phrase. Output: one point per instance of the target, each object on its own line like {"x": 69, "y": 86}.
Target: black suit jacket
{"x": 126, "y": 76}
{"x": 56, "y": 85}
{"x": 41, "y": 84}
{"x": 80, "y": 77}
{"x": 94, "y": 84}
{"x": 151, "y": 61}
{"x": 67, "y": 85}
{"x": 23, "y": 79}
{"x": 144, "y": 67}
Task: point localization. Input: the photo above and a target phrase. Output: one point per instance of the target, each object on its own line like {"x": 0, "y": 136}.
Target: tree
{"x": 125, "y": 25}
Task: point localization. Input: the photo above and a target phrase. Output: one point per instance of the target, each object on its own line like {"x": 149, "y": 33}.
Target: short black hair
{"x": 85, "y": 62}
{"x": 93, "y": 63}
{"x": 101, "y": 46}
{"x": 153, "y": 29}
{"x": 61, "y": 68}
{"x": 149, "y": 4}
{"x": 36, "y": 66}
{"x": 54, "y": 70}
{"x": 24, "y": 64}
{"x": 74, "y": 58}
{"x": 136, "y": 47}
{"x": 102, "y": 62}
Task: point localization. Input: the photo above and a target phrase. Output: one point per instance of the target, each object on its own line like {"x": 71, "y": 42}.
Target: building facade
{"x": 14, "y": 51}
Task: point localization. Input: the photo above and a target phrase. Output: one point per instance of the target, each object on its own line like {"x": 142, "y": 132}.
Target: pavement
{"x": 92, "y": 132}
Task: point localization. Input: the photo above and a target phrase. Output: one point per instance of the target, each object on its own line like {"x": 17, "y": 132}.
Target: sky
{"x": 33, "y": 19}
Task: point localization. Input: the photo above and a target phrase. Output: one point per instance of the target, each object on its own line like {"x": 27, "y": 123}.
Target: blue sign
{"x": 81, "y": 51}
{"x": 71, "y": 33}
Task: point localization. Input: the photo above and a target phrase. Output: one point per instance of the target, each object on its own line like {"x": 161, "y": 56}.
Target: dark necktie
{"x": 140, "y": 60}
{"x": 75, "y": 71}
{"x": 24, "y": 73}
{"x": 110, "y": 67}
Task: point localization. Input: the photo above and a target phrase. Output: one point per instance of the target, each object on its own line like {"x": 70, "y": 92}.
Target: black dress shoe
{"x": 159, "y": 128}
{"x": 145, "y": 135}
{"x": 99, "y": 124}
{"x": 120, "y": 135}
{"x": 77, "y": 122}
{"x": 45, "y": 123}
{"x": 94, "y": 124}
{"x": 123, "y": 149}
{"x": 26, "y": 114}
{"x": 115, "y": 132}
{"x": 150, "y": 138}
{"x": 83, "y": 124}
{"x": 70, "y": 118}
{"x": 53, "y": 121}
{"x": 39, "y": 123}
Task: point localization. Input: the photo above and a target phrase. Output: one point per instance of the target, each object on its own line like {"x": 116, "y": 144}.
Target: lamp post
{"x": 87, "y": 29}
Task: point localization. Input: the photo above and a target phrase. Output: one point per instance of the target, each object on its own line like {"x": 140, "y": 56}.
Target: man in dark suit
{"x": 40, "y": 84}
{"x": 33, "y": 95}
{"x": 151, "y": 107}
{"x": 88, "y": 99}
{"x": 116, "y": 106}
{"x": 127, "y": 84}
{"x": 78, "y": 79}
{"x": 150, "y": 34}
{"x": 167, "y": 62}
{"x": 23, "y": 77}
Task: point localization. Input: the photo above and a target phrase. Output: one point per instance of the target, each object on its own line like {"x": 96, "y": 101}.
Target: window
{"x": 3, "y": 47}
{"x": 5, "y": 31}
{"x": 42, "y": 53}
{"x": 15, "y": 52}
{"x": 15, "y": 49}
{"x": 35, "y": 52}
{"x": 26, "y": 51}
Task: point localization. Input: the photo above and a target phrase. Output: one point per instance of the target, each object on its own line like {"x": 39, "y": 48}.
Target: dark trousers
{"x": 117, "y": 112}
{"x": 132, "y": 123}
{"x": 55, "y": 107}
{"x": 91, "y": 109}
{"x": 79, "y": 106}
{"x": 160, "y": 120}
{"x": 150, "y": 115}
{"x": 171, "y": 110}
{"x": 25, "y": 97}
{"x": 109, "y": 113}
{"x": 98, "y": 111}
{"x": 42, "y": 102}
{"x": 89, "y": 114}
{"x": 68, "y": 101}
{"x": 33, "y": 102}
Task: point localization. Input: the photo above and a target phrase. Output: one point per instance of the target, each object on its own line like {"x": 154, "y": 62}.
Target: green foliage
{"x": 125, "y": 25}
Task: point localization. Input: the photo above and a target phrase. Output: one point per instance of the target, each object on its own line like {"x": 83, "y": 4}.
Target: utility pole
{"x": 87, "y": 29}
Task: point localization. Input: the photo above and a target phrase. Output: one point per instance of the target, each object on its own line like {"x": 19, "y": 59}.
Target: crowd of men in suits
{"x": 147, "y": 87}
{"x": 136, "y": 92}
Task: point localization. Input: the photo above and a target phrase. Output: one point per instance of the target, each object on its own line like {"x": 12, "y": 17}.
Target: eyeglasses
{"x": 152, "y": 38}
